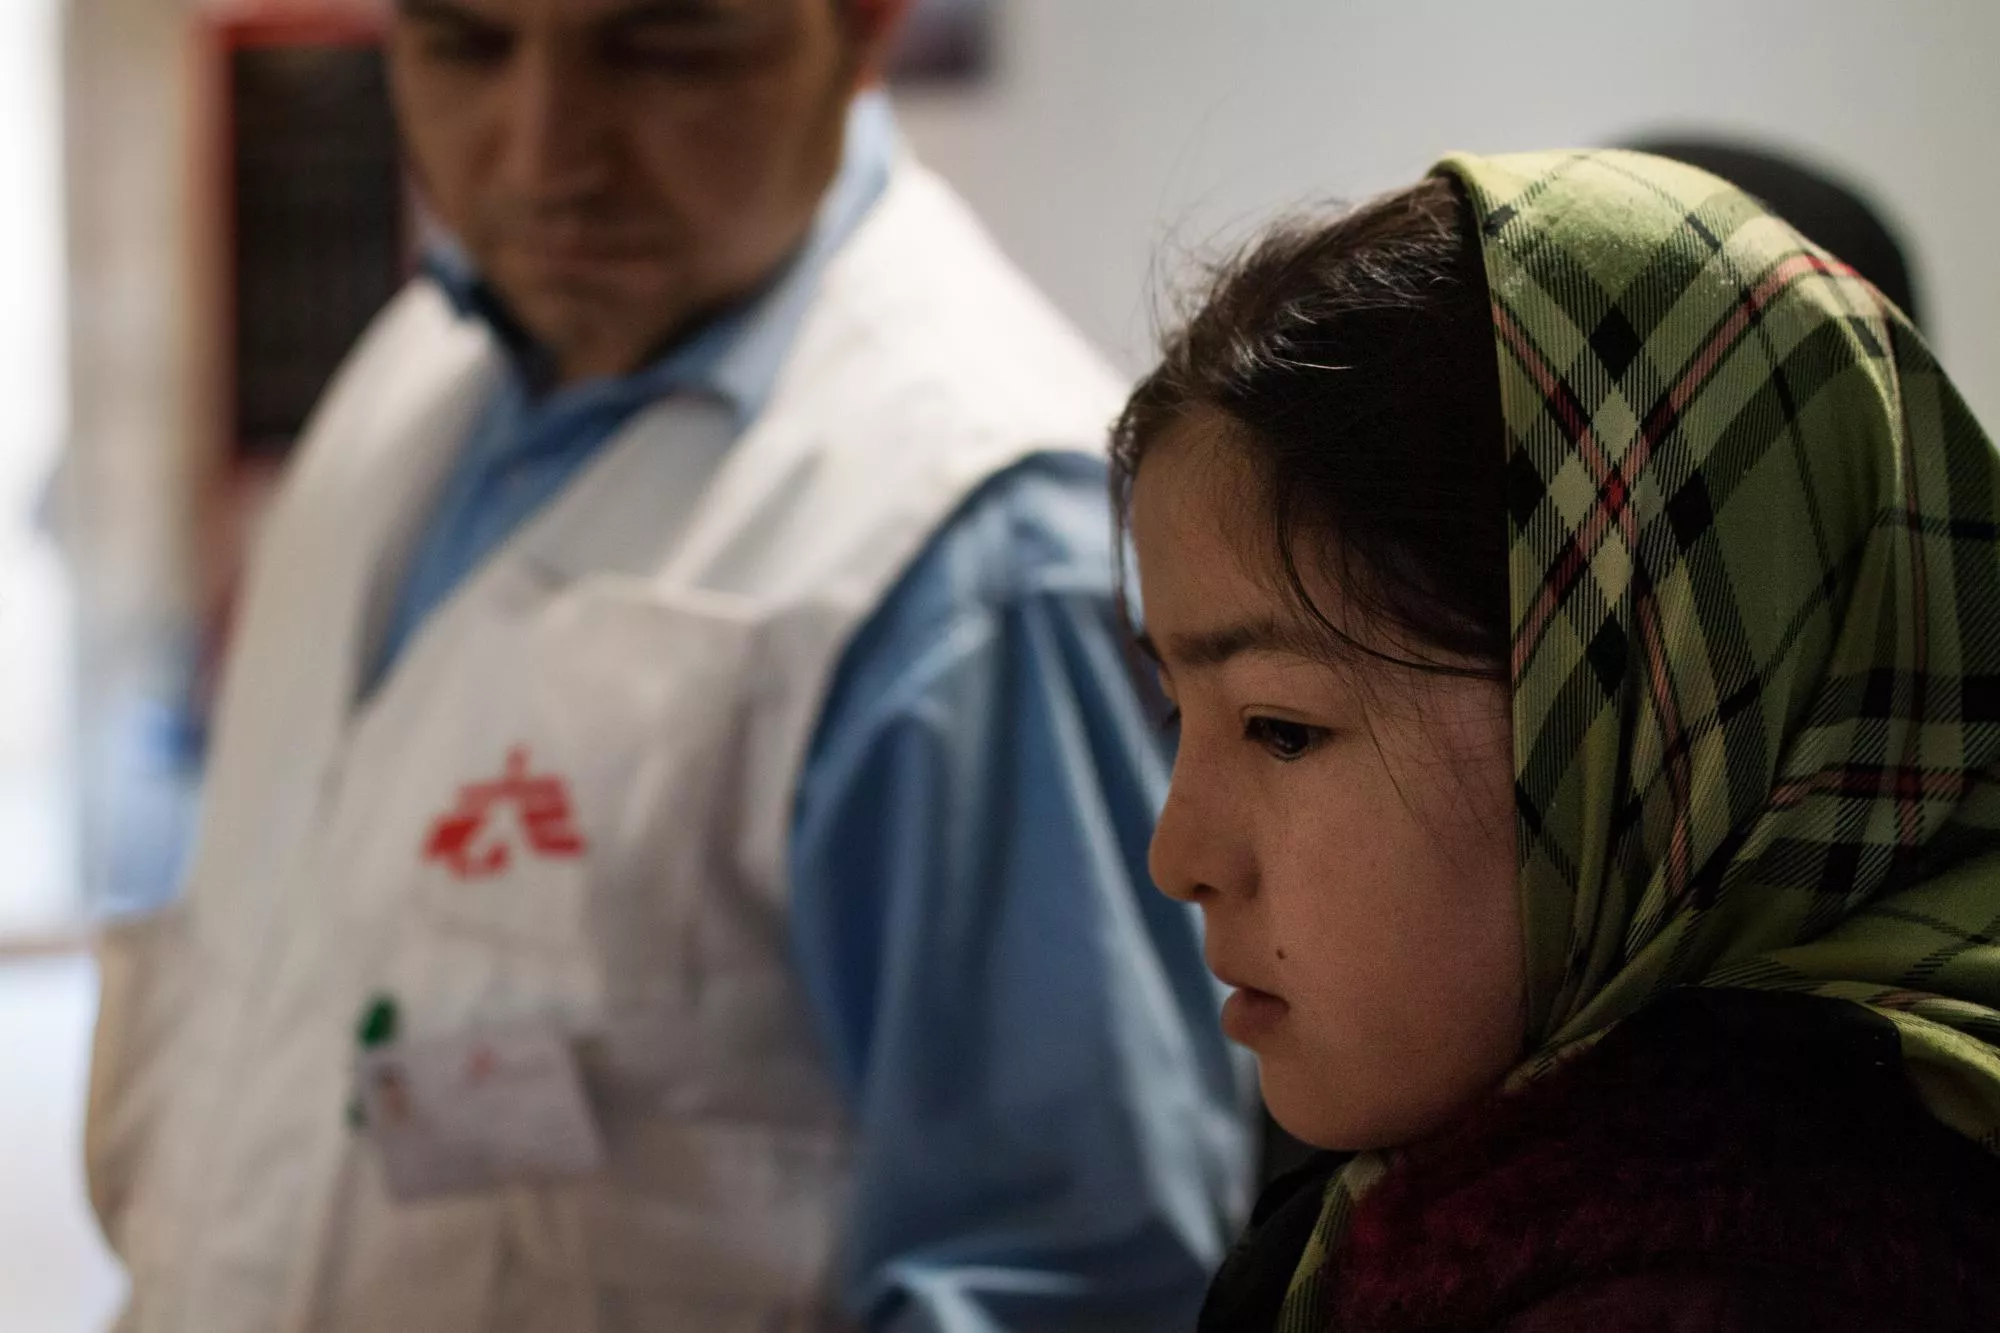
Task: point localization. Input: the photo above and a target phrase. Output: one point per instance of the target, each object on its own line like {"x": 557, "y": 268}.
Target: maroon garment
{"x": 1725, "y": 1162}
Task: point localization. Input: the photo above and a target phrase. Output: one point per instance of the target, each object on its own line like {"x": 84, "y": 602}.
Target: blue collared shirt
{"x": 1051, "y": 1130}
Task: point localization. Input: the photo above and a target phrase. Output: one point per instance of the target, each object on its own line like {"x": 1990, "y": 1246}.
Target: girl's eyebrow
{"x": 1213, "y": 647}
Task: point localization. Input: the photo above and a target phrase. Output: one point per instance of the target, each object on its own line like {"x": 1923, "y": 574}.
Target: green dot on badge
{"x": 378, "y": 1023}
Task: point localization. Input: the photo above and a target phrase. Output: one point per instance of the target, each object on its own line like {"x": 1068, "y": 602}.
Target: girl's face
{"x": 1347, "y": 829}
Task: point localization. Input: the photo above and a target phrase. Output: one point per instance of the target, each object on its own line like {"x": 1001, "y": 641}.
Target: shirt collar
{"x": 738, "y": 355}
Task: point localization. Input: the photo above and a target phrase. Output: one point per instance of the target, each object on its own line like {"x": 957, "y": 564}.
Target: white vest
{"x": 660, "y": 640}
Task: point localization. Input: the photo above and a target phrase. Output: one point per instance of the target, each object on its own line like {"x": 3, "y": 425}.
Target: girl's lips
{"x": 1249, "y": 1015}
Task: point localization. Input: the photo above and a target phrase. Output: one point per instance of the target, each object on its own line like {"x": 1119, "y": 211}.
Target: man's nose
{"x": 560, "y": 128}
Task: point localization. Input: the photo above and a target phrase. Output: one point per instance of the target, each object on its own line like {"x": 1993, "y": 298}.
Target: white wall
{"x": 139, "y": 451}
{"x": 55, "y": 1274}
{"x": 37, "y": 862}
{"x": 1118, "y": 125}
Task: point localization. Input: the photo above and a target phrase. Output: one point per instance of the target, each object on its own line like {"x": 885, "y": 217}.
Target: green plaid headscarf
{"x": 1756, "y": 606}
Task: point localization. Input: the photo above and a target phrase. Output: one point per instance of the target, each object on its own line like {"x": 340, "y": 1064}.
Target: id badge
{"x": 455, "y": 1115}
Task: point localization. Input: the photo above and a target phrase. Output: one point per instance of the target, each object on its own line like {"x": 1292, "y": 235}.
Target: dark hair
{"x": 1356, "y": 360}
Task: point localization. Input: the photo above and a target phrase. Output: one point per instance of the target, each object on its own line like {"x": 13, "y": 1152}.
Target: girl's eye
{"x": 1285, "y": 740}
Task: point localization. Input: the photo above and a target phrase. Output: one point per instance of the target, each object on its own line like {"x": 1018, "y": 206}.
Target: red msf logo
{"x": 476, "y": 839}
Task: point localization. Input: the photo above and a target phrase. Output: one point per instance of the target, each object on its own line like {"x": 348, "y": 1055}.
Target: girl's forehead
{"x": 1197, "y": 495}
{"x": 1201, "y": 530}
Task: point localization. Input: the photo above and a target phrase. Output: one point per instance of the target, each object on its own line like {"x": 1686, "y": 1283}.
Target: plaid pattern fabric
{"x": 1756, "y": 659}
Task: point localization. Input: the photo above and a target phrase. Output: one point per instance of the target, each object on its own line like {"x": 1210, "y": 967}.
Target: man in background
{"x": 676, "y": 740}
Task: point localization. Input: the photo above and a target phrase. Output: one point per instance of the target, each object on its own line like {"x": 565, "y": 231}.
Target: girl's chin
{"x": 1324, "y": 1108}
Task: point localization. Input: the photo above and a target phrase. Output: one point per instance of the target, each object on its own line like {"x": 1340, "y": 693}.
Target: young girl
{"x": 1581, "y": 600}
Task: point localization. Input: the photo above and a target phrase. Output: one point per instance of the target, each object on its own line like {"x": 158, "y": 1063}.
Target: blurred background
{"x": 203, "y": 204}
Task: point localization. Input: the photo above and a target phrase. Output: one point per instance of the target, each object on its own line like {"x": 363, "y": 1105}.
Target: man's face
{"x": 619, "y": 168}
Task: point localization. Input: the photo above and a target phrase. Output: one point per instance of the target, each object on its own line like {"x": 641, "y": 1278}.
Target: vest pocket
{"x": 143, "y": 966}
{"x": 730, "y": 1214}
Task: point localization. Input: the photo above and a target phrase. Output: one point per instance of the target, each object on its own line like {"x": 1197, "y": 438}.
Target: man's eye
{"x": 1286, "y": 741}
{"x": 691, "y": 57}
{"x": 457, "y": 44}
